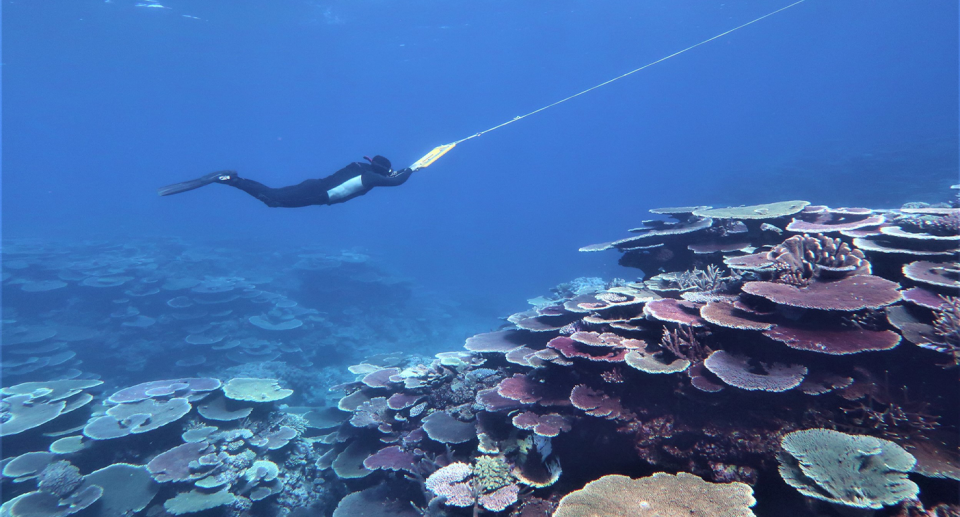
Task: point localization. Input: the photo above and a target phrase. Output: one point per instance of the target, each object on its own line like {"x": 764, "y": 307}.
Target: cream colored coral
{"x": 255, "y": 390}
{"x": 661, "y": 495}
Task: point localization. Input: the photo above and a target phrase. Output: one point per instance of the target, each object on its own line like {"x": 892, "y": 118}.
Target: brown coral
{"x": 685, "y": 344}
{"x": 804, "y": 257}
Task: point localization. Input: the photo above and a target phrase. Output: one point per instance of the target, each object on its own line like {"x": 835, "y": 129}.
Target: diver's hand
{"x": 226, "y": 176}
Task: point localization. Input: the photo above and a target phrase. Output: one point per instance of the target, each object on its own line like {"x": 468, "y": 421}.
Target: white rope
{"x": 691, "y": 47}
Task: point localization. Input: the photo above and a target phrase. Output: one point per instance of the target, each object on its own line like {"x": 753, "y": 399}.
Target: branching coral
{"x": 801, "y": 258}
{"x": 559, "y": 370}
{"x": 684, "y": 343}
{"x": 707, "y": 280}
{"x": 613, "y": 376}
{"x": 891, "y": 420}
{"x": 947, "y": 324}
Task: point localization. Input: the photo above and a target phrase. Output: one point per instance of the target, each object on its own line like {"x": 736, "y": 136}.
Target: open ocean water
{"x": 724, "y": 285}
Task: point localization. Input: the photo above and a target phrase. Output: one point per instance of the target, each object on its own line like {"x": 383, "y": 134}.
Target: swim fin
{"x": 202, "y": 181}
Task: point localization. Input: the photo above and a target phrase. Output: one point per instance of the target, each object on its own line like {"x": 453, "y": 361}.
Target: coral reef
{"x": 780, "y": 352}
{"x": 260, "y": 459}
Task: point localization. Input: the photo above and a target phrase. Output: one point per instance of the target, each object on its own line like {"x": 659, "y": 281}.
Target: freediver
{"x": 352, "y": 181}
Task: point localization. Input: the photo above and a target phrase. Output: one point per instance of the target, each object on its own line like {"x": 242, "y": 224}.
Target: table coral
{"x": 857, "y": 471}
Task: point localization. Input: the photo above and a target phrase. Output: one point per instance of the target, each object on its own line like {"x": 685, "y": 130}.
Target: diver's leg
{"x": 254, "y": 188}
{"x": 295, "y": 196}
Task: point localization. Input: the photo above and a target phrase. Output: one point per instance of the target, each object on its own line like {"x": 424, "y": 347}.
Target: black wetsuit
{"x": 352, "y": 181}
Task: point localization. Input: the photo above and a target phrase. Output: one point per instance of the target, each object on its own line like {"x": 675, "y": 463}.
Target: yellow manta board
{"x": 432, "y": 156}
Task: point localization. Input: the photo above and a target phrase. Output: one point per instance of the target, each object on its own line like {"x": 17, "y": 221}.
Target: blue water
{"x": 840, "y": 103}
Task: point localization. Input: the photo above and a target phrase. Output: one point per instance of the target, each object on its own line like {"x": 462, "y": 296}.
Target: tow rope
{"x": 441, "y": 150}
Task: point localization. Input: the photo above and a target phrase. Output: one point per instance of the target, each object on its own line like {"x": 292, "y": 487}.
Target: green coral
{"x": 857, "y": 471}
{"x": 765, "y": 211}
{"x": 255, "y": 390}
{"x": 491, "y": 473}
{"x": 195, "y": 501}
{"x": 525, "y": 444}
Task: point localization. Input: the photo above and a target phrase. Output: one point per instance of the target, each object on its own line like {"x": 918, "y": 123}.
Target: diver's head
{"x": 380, "y": 165}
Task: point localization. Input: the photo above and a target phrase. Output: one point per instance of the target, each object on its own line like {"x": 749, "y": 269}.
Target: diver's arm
{"x": 372, "y": 179}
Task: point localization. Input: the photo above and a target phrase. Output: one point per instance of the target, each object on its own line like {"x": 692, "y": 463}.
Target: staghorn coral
{"x": 708, "y": 280}
{"x": 898, "y": 420}
{"x": 947, "y": 324}
{"x": 613, "y": 376}
{"x": 717, "y": 445}
{"x": 685, "y": 344}
{"x": 944, "y": 335}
